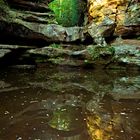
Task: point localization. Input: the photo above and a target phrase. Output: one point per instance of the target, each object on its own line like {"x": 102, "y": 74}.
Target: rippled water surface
{"x": 69, "y": 104}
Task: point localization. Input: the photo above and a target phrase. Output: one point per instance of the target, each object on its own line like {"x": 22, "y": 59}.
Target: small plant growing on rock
{"x": 55, "y": 46}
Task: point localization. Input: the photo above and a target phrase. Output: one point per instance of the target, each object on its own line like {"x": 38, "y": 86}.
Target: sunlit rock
{"x": 124, "y": 13}
{"x": 99, "y": 31}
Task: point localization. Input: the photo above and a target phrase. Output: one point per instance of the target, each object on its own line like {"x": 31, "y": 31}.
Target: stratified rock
{"x": 16, "y": 23}
{"x": 99, "y": 32}
{"x": 50, "y": 32}
{"x": 34, "y": 5}
{"x": 23, "y": 66}
{"x": 56, "y": 32}
{"x": 3, "y": 46}
{"x": 49, "y": 52}
{"x": 131, "y": 30}
{"x": 125, "y": 13}
{"x": 99, "y": 56}
{"x": 122, "y": 56}
{"x": 126, "y": 57}
{"x": 94, "y": 55}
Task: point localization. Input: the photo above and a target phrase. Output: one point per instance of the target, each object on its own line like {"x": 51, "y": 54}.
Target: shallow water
{"x": 69, "y": 104}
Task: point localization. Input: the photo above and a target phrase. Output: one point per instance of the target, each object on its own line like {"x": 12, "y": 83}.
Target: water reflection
{"x": 69, "y": 104}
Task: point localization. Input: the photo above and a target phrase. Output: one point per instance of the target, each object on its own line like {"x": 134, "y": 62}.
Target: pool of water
{"x": 61, "y": 103}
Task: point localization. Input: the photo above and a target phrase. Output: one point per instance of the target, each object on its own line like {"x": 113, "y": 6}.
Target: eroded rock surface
{"x": 124, "y": 13}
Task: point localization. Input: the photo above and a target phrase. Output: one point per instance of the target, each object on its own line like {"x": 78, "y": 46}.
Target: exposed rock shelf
{"x": 35, "y": 24}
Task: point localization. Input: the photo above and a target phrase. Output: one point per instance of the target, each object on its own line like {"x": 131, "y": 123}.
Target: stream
{"x": 62, "y": 103}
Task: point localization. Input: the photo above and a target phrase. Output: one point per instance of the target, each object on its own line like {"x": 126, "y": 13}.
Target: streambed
{"x": 62, "y": 103}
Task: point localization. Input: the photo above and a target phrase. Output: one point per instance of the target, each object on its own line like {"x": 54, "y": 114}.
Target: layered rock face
{"x": 124, "y": 13}
{"x": 106, "y": 19}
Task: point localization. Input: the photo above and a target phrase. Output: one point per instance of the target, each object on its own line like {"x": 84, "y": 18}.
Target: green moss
{"x": 96, "y": 52}
{"x": 55, "y": 46}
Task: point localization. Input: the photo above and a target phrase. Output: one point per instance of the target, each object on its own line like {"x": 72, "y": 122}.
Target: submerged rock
{"x": 126, "y": 88}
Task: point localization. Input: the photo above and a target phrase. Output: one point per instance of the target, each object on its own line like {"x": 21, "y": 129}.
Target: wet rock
{"x": 4, "y": 52}
{"x": 23, "y": 66}
{"x": 50, "y": 52}
{"x": 63, "y": 56}
{"x": 126, "y": 88}
{"x": 95, "y": 56}
{"x": 9, "y": 89}
{"x": 121, "y": 55}
{"x": 3, "y": 46}
{"x": 3, "y": 85}
{"x": 126, "y": 57}
{"x": 55, "y": 54}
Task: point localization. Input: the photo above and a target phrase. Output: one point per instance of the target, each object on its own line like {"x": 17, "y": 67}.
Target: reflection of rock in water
{"x": 67, "y": 118}
{"x": 99, "y": 129}
{"x": 113, "y": 120}
{"x": 49, "y": 119}
{"x": 126, "y": 88}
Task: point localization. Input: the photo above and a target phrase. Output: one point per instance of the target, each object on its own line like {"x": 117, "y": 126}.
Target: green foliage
{"x": 97, "y": 52}
{"x": 67, "y": 12}
{"x": 55, "y": 46}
